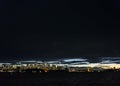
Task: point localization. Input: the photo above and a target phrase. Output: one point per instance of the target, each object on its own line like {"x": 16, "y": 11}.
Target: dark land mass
{"x": 60, "y": 79}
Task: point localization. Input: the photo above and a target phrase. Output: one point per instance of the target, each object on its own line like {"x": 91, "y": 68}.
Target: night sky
{"x": 59, "y": 28}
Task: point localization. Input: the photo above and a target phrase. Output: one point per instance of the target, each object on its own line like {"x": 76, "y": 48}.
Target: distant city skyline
{"x": 105, "y": 62}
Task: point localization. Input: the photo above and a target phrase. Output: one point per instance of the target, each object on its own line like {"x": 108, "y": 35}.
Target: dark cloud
{"x": 62, "y": 28}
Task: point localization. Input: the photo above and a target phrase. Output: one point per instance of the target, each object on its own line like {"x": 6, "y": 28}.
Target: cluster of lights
{"x": 105, "y": 62}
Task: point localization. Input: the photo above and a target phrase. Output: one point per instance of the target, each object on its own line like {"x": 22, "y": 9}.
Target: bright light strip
{"x": 70, "y": 60}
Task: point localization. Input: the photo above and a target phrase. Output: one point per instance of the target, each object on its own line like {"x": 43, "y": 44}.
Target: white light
{"x": 70, "y": 60}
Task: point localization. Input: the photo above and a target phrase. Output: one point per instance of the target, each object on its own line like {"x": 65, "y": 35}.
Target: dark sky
{"x": 59, "y": 28}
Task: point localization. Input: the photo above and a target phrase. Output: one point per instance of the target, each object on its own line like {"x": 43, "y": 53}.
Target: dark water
{"x": 61, "y": 79}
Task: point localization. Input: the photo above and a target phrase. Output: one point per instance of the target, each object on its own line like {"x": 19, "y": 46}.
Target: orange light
{"x": 46, "y": 71}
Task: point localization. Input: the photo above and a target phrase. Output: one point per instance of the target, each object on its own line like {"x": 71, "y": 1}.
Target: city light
{"x": 72, "y": 65}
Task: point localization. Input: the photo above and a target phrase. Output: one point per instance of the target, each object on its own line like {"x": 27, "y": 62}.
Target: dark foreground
{"x": 61, "y": 79}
